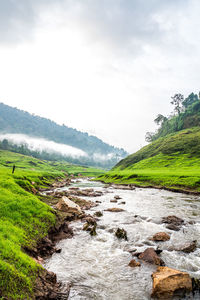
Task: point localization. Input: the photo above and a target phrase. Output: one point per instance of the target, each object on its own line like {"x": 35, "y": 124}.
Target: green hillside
{"x": 173, "y": 145}
{"x": 24, "y": 218}
{"x": 172, "y": 161}
{"x": 186, "y": 114}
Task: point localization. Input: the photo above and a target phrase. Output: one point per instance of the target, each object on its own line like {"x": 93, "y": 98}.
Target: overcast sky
{"x": 107, "y": 67}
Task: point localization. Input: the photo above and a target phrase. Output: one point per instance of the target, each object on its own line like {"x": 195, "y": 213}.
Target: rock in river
{"x": 161, "y": 237}
{"x": 98, "y": 214}
{"x": 133, "y": 263}
{"x": 90, "y": 220}
{"x": 67, "y": 205}
{"x": 188, "y": 247}
{"x": 169, "y": 282}
{"x": 117, "y": 197}
{"x": 173, "y": 227}
{"x": 173, "y": 220}
{"x": 150, "y": 256}
{"x": 113, "y": 201}
{"x": 121, "y": 234}
{"x": 114, "y": 209}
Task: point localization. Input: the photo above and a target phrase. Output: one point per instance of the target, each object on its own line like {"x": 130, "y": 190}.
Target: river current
{"x": 97, "y": 267}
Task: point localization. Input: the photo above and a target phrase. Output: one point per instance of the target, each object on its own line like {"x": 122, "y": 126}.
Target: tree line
{"x": 54, "y": 156}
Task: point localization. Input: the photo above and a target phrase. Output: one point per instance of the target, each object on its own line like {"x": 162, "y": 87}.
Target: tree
{"x": 5, "y": 144}
{"x": 149, "y": 136}
{"x": 160, "y": 119}
{"x": 177, "y": 101}
{"x": 192, "y": 98}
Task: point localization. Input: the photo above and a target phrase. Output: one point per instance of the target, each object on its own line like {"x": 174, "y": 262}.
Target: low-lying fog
{"x": 40, "y": 144}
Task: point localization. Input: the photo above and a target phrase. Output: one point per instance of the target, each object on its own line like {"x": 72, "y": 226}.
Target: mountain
{"x": 98, "y": 153}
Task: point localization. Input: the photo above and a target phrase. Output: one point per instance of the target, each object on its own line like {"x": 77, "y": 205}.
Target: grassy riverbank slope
{"x": 24, "y": 219}
{"x": 172, "y": 162}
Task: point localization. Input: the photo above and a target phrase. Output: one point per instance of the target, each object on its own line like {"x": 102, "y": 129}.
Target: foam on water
{"x": 97, "y": 267}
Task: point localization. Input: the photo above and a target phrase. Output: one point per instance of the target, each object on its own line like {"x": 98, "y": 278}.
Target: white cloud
{"x": 106, "y": 67}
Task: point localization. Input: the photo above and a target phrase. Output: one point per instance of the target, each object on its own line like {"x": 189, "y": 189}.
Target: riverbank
{"x": 27, "y": 220}
{"x": 177, "y": 180}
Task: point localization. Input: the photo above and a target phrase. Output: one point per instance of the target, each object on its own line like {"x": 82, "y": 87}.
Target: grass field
{"x": 179, "y": 179}
{"x": 171, "y": 162}
{"x": 24, "y": 219}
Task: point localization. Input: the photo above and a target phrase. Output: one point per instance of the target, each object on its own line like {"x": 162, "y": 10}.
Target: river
{"x": 97, "y": 267}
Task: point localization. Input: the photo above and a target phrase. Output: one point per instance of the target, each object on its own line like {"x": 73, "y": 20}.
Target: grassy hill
{"x": 172, "y": 162}
{"x": 24, "y": 219}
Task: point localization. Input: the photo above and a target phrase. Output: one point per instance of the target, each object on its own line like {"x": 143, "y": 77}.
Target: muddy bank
{"x": 47, "y": 286}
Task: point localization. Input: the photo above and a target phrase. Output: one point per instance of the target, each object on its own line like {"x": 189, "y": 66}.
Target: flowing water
{"x": 97, "y": 267}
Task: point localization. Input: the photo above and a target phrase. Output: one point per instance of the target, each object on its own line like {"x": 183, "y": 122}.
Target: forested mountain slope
{"x": 13, "y": 120}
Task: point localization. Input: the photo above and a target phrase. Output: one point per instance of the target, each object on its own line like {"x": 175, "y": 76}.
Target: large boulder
{"x": 150, "y": 256}
{"x": 161, "y": 237}
{"x": 168, "y": 282}
{"x": 66, "y": 205}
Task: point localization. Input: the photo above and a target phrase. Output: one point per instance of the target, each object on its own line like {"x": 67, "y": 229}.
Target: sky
{"x": 107, "y": 67}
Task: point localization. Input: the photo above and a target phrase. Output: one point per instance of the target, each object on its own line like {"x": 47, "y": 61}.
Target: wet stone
{"x": 121, "y": 234}
{"x": 161, "y": 237}
{"x": 133, "y": 263}
{"x": 114, "y": 209}
{"x": 169, "y": 282}
{"x": 113, "y": 201}
{"x": 98, "y": 214}
{"x": 173, "y": 227}
{"x": 150, "y": 256}
{"x": 117, "y": 197}
{"x": 189, "y": 247}
{"x": 173, "y": 220}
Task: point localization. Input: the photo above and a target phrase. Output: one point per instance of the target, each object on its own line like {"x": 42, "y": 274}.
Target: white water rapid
{"x": 97, "y": 267}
